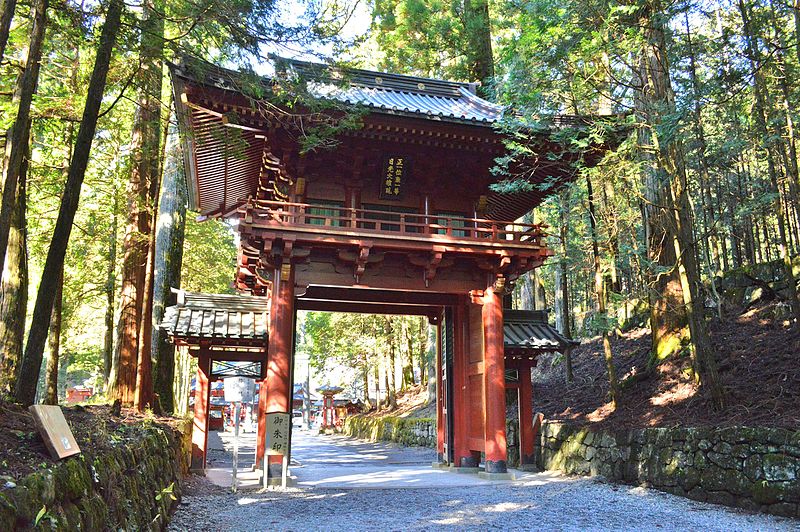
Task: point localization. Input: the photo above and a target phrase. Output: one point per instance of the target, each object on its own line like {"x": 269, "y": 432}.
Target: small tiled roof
{"x": 529, "y": 330}
{"x": 236, "y": 317}
{"x": 396, "y": 93}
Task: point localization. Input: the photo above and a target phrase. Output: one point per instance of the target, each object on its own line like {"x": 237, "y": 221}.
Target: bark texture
{"x": 141, "y": 191}
{"x": 14, "y": 295}
{"x": 17, "y": 144}
{"x": 25, "y": 389}
{"x": 170, "y": 230}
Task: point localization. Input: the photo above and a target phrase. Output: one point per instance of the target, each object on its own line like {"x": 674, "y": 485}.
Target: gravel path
{"x": 542, "y": 501}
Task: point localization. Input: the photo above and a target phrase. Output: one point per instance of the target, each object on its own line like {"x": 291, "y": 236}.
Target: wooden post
{"x": 261, "y": 437}
{"x": 462, "y": 410}
{"x": 202, "y": 395}
{"x": 526, "y": 433}
{"x": 494, "y": 382}
{"x": 440, "y": 421}
{"x": 281, "y": 340}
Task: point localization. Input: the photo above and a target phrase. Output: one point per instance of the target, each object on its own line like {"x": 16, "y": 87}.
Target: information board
{"x": 278, "y": 426}
{"x": 239, "y": 389}
{"x": 54, "y": 430}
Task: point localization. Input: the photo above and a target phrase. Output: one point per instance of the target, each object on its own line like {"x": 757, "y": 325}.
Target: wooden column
{"x": 202, "y": 395}
{"x": 526, "y": 432}
{"x": 494, "y": 382}
{"x": 281, "y": 340}
{"x": 440, "y": 421}
{"x": 462, "y": 455}
{"x": 261, "y": 437}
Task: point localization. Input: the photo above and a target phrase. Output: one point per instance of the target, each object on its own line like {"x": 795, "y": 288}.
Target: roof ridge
{"x": 384, "y": 80}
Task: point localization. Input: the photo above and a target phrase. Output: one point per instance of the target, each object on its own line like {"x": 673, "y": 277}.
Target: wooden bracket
{"x": 476, "y": 296}
{"x": 361, "y": 262}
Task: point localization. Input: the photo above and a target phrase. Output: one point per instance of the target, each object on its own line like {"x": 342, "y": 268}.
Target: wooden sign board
{"x": 278, "y": 426}
{"x": 54, "y": 431}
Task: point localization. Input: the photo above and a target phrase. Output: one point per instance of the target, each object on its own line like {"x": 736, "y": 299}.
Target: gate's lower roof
{"x": 244, "y": 320}
{"x": 232, "y": 319}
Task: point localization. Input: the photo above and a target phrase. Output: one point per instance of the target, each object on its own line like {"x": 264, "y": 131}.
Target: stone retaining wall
{"x": 752, "y": 468}
{"x": 420, "y": 432}
{"x": 406, "y": 431}
{"x": 125, "y": 489}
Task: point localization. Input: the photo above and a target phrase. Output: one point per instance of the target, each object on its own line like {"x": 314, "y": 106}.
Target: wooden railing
{"x": 334, "y": 219}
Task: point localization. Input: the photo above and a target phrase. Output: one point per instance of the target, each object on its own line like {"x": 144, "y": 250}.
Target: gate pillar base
{"x": 496, "y": 476}
{"x": 496, "y": 466}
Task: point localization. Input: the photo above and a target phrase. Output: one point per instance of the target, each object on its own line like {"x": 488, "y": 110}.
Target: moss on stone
{"x": 765, "y": 493}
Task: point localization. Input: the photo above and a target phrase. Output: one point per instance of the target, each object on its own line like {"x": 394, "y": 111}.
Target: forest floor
{"x": 758, "y": 365}
{"x": 95, "y": 428}
{"x": 410, "y": 403}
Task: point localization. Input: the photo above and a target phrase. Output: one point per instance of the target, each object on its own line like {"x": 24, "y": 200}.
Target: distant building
{"x": 78, "y": 394}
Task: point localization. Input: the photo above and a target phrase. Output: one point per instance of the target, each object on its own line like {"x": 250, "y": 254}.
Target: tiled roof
{"x": 397, "y": 94}
{"x": 529, "y": 330}
{"x": 217, "y": 316}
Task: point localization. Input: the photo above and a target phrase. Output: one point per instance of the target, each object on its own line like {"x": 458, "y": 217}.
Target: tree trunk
{"x": 5, "y": 24}
{"x": 53, "y": 346}
{"x": 14, "y": 295}
{"x": 110, "y": 289}
{"x": 754, "y": 56}
{"x": 167, "y": 269}
{"x": 141, "y": 191}
{"x": 477, "y": 27}
{"x": 20, "y": 131}
{"x": 600, "y": 293}
{"x": 563, "y": 318}
{"x": 667, "y": 315}
{"x": 670, "y": 170}
{"x": 25, "y": 390}
{"x": 704, "y": 180}
{"x": 390, "y": 370}
{"x": 432, "y": 366}
{"x": 365, "y": 379}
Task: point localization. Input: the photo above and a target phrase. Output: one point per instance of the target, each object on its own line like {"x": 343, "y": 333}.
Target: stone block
{"x": 779, "y": 467}
{"x": 697, "y": 494}
{"x": 725, "y": 461}
{"x": 690, "y": 479}
{"x": 766, "y": 493}
{"x": 784, "y": 509}
{"x": 720, "y": 497}
{"x": 752, "y": 468}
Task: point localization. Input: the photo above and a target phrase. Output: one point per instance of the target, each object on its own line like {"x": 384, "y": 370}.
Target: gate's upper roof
{"x": 396, "y": 93}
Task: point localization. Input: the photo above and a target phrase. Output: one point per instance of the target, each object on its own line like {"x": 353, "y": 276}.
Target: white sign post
{"x": 238, "y": 390}
{"x": 278, "y": 426}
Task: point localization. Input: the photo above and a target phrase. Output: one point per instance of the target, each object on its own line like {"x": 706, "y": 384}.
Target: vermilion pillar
{"x": 202, "y": 395}
{"x": 527, "y": 434}
{"x": 279, "y": 357}
{"x": 261, "y": 438}
{"x": 494, "y": 382}
{"x": 440, "y": 421}
{"x": 462, "y": 409}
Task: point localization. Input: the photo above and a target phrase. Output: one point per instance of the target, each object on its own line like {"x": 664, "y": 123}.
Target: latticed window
{"x": 450, "y": 222}
{"x": 325, "y": 212}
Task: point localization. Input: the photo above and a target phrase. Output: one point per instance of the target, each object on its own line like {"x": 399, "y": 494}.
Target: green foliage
{"x": 209, "y": 256}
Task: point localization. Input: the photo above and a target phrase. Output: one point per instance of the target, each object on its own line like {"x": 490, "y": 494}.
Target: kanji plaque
{"x": 395, "y": 173}
{"x": 278, "y": 426}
